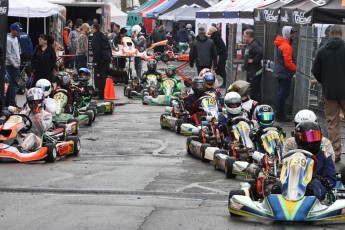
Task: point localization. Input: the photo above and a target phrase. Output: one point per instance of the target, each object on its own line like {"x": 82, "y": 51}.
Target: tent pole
{"x": 45, "y": 26}
{"x": 27, "y": 25}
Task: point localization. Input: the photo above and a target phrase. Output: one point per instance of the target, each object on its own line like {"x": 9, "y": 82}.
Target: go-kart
{"x": 234, "y": 159}
{"x": 174, "y": 112}
{"x": 54, "y": 143}
{"x": 292, "y": 204}
{"x": 62, "y": 96}
{"x": 165, "y": 99}
{"x": 136, "y": 90}
{"x": 209, "y": 138}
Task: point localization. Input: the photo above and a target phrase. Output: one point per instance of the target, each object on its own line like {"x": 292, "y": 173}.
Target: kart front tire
{"x": 231, "y": 194}
{"x": 189, "y": 140}
{"x": 90, "y": 116}
{"x": 161, "y": 120}
{"x": 229, "y": 167}
{"x": 203, "y": 150}
{"x": 51, "y": 153}
{"x": 77, "y": 144}
{"x": 178, "y": 124}
{"x": 112, "y": 107}
{"x": 94, "y": 110}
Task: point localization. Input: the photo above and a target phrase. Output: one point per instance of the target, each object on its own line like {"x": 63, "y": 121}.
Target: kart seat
{"x": 56, "y": 131}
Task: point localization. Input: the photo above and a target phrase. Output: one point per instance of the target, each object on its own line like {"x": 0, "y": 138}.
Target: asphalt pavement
{"x": 130, "y": 174}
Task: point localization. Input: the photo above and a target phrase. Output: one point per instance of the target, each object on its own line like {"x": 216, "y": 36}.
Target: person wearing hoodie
{"x": 203, "y": 52}
{"x": 329, "y": 70}
{"x": 182, "y": 37}
{"x": 284, "y": 69}
{"x": 222, "y": 52}
{"x": 158, "y": 36}
{"x": 101, "y": 57}
{"x": 252, "y": 64}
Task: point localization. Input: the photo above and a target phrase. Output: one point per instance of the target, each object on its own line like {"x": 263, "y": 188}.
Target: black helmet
{"x": 63, "y": 80}
{"x": 152, "y": 65}
{"x": 198, "y": 85}
{"x": 170, "y": 71}
{"x": 308, "y": 136}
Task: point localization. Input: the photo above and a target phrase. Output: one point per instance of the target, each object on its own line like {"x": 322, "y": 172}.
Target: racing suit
{"x": 225, "y": 124}
{"x": 324, "y": 177}
{"x": 326, "y": 146}
{"x": 249, "y": 106}
{"x": 256, "y": 133}
{"x": 41, "y": 122}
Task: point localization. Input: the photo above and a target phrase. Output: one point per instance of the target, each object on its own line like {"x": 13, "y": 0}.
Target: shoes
{"x": 337, "y": 159}
{"x": 283, "y": 118}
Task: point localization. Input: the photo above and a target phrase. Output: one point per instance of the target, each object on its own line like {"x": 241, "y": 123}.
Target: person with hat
{"x": 203, "y": 52}
{"x": 82, "y": 47}
{"x": 12, "y": 64}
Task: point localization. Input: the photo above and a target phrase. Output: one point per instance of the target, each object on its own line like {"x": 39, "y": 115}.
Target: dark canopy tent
{"x": 331, "y": 13}
{"x": 269, "y": 13}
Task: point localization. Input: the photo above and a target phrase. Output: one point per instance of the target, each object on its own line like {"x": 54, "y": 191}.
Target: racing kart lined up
{"x": 164, "y": 97}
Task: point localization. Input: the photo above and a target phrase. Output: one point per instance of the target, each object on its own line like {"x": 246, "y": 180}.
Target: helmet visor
{"x": 169, "y": 72}
{"x": 266, "y": 117}
{"x": 310, "y": 136}
{"x": 233, "y": 105}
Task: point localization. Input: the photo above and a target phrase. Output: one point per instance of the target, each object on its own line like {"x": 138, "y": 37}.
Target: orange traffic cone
{"x": 109, "y": 91}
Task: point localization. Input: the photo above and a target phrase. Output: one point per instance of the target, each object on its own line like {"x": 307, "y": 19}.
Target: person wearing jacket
{"x": 203, "y": 52}
{"x": 329, "y": 70}
{"x": 252, "y": 64}
{"x": 222, "y": 52}
{"x": 182, "y": 36}
{"x": 44, "y": 59}
{"x": 12, "y": 64}
{"x": 73, "y": 42}
{"x": 159, "y": 35}
{"x": 284, "y": 69}
{"x": 81, "y": 53}
{"x": 67, "y": 30}
{"x": 101, "y": 57}
{"x": 26, "y": 49}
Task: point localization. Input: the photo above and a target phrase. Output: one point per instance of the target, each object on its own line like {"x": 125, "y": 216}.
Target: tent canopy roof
{"x": 160, "y": 8}
{"x": 32, "y": 9}
{"x": 331, "y": 13}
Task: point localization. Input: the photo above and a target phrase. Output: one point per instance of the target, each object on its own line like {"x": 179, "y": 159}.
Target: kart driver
{"x": 50, "y": 104}
{"x": 308, "y": 115}
{"x": 86, "y": 90}
{"x": 243, "y": 88}
{"x": 41, "y": 120}
{"x": 151, "y": 70}
{"x": 170, "y": 72}
{"x": 233, "y": 106}
{"x": 308, "y": 137}
{"x": 210, "y": 80}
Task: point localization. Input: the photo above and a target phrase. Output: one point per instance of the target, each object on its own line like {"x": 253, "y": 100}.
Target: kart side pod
{"x": 229, "y": 165}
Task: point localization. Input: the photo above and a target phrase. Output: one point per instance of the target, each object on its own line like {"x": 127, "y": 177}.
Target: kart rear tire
{"x": 161, "y": 120}
{"x": 203, "y": 149}
{"x": 178, "y": 124}
{"x": 90, "y": 116}
{"x": 229, "y": 166}
{"x": 231, "y": 194}
{"x": 189, "y": 140}
{"x": 77, "y": 144}
{"x": 124, "y": 90}
{"x": 94, "y": 110}
{"x": 112, "y": 107}
{"x": 129, "y": 91}
{"x": 219, "y": 151}
{"x": 51, "y": 153}
{"x": 342, "y": 175}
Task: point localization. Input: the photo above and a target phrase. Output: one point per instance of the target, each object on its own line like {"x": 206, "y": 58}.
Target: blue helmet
{"x": 264, "y": 115}
{"x": 84, "y": 74}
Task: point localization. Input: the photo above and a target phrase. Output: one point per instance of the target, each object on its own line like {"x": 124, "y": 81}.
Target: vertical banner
{"x": 3, "y": 42}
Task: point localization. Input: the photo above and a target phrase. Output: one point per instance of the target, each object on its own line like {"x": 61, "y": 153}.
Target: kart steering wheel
{"x": 27, "y": 118}
{"x": 236, "y": 120}
{"x": 305, "y": 153}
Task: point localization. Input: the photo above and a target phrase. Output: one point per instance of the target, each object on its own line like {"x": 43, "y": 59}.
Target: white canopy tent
{"x": 116, "y": 14}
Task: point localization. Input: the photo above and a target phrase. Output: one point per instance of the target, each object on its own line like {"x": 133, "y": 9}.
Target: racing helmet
{"x": 308, "y": 136}
{"x": 210, "y": 80}
{"x": 84, "y": 76}
{"x": 34, "y": 98}
{"x": 45, "y": 85}
{"x": 233, "y": 103}
{"x": 241, "y": 87}
{"x": 63, "y": 80}
{"x": 264, "y": 115}
{"x": 152, "y": 65}
{"x": 170, "y": 71}
{"x": 136, "y": 29}
{"x": 188, "y": 26}
{"x": 198, "y": 85}
{"x": 204, "y": 71}
{"x": 305, "y": 115}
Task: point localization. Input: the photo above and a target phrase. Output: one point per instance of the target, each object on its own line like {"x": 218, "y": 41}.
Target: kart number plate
{"x": 298, "y": 162}
{"x": 60, "y": 96}
{"x": 152, "y": 77}
{"x": 168, "y": 83}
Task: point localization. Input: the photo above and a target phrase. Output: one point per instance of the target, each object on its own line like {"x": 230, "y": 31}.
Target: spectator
{"x": 79, "y": 21}
{"x": 159, "y": 36}
{"x": 66, "y": 32}
{"x": 182, "y": 36}
{"x": 115, "y": 30}
{"x": 139, "y": 43}
{"x": 191, "y": 34}
{"x": 101, "y": 57}
{"x": 95, "y": 21}
{"x": 82, "y": 46}
{"x": 203, "y": 52}
{"x": 252, "y": 63}
{"x": 143, "y": 29}
{"x": 44, "y": 59}
{"x": 120, "y": 63}
{"x": 222, "y": 53}
{"x": 284, "y": 69}
{"x": 73, "y": 42}
{"x": 26, "y": 49}
{"x": 329, "y": 70}
{"x": 12, "y": 64}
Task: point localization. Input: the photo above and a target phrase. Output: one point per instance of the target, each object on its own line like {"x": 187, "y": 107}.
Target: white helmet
{"x": 305, "y": 115}
{"x": 45, "y": 85}
{"x": 188, "y": 26}
{"x": 233, "y": 103}
{"x": 136, "y": 29}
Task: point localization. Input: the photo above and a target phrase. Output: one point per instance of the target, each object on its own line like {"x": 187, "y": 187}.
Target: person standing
{"x": 67, "y": 30}
{"x": 82, "y": 47}
{"x": 26, "y": 49}
{"x": 101, "y": 57}
{"x": 191, "y": 34}
{"x": 158, "y": 36}
{"x": 252, "y": 64}
{"x": 203, "y": 52}
{"x": 120, "y": 62}
{"x": 222, "y": 52}
{"x": 329, "y": 70}
{"x": 44, "y": 59}
{"x": 182, "y": 36}
{"x": 73, "y": 42}
{"x": 115, "y": 30}
{"x": 284, "y": 69}
{"x": 12, "y": 64}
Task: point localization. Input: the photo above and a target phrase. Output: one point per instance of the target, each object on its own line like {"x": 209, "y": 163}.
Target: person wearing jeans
{"x": 12, "y": 64}
{"x": 284, "y": 69}
{"x": 329, "y": 70}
